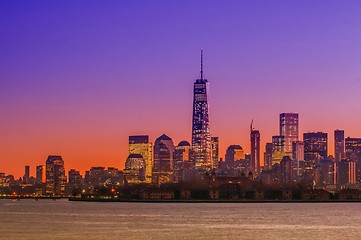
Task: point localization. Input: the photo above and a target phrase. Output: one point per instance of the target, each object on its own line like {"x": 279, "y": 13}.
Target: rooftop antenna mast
{"x": 251, "y": 126}
{"x": 201, "y": 64}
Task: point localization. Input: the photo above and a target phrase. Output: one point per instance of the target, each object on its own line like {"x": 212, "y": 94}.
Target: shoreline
{"x": 207, "y": 201}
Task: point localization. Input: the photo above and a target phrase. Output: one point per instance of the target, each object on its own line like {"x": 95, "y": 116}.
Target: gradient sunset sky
{"x": 79, "y": 77}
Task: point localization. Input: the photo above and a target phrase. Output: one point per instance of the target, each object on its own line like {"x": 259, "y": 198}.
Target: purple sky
{"x": 78, "y": 77}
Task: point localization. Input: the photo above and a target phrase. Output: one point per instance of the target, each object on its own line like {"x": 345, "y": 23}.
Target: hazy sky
{"x": 79, "y": 77}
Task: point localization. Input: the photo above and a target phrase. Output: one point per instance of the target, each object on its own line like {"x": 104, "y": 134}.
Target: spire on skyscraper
{"x": 201, "y": 64}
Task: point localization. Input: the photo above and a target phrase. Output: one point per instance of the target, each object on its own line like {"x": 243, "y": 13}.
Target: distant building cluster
{"x": 289, "y": 160}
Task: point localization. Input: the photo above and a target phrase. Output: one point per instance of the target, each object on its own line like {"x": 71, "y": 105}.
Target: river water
{"x": 61, "y": 219}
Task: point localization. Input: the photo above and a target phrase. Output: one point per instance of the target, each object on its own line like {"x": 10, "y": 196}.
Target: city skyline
{"x": 81, "y": 96}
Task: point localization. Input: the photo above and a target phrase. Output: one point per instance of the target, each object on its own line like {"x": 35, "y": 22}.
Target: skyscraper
{"x": 201, "y": 136}
{"x": 140, "y": 145}
{"x": 339, "y": 145}
{"x": 215, "y": 152}
{"x": 181, "y": 157}
{"x": 255, "y": 152}
{"x": 55, "y": 175}
{"x": 39, "y": 174}
{"x": 315, "y": 145}
{"x": 268, "y": 156}
{"x": 163, "y": 153}
{"x": 289, "y": 129}
{"x": 353, "y": 153}
{"x": 26, "y": 177}
{"x": 298, "y": 155}
{"x": 278, "y": 146}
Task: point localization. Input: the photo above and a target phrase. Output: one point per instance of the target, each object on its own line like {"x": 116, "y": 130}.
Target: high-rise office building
{"x": 163, "y": 160}
{"x": 39, "y": 174}
{"x": 163, "y": 154}
{"x": 135, "y": 169}
{"x": 268, "y": 156}
{"x": 55, "y": 175}
{"x": 215, "y": 152}
{"x": 140, "y": 144}
{"x": 255, "y": 152}
{"x": 201, "y": 136}
{"x": 353, "y": 152}
{"x": 315, "y": 148}
{"x": 26, "y": 178}
{"x": 289, "y": 130}
{"x": 278, "y": 149}
{"x": 339, "y": 145}
{"x": 298, "y": 156}
{"x": 181, "y": 157}
{"x": 74, "y": 177}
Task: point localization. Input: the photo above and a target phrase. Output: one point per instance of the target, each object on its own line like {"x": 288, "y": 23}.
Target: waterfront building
{"x": 339, "y": 137}
{"x": 201, "y": 136}
{"x": 55, "y": 175}
{"x": 139, "y": 144}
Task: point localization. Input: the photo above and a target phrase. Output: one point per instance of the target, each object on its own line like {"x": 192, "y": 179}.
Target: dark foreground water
{"x": 47, "y": 219}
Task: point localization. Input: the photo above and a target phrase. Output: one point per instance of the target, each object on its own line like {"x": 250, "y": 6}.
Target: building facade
{"x": 201, "y": 136}
{"x": 55, "y": 176}
{"x": 140, "y": 145}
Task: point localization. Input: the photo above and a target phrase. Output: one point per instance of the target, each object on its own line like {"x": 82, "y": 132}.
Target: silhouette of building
{"x": 298, "y": 156}
{"x": 201, "y": 136}
{"x": 289, "y": 130}
{"x": 286, "y": 170}
{"x": 215, "y": 152}
{"x": 255, "y": 152}
{"x": 346, "y": 173}
{"x": 268, "y": 156}
{"x": 26, "y": 178}
{"x": 315, "y": 146}
{"x": 163, "y": 159}
{"x": 140, "y": 145}
{"x": 75, "y": 178}
{"x": 55, "y": 175}
{"x": 233, "y": 153}
{"x": 339, "y": 145}
{"x": 39, "y": 174}
{"x": 353, "y": 152}
{"x": 181, "y": 156}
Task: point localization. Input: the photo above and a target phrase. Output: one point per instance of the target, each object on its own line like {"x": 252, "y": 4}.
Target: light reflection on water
{"x": 47, "y": 219}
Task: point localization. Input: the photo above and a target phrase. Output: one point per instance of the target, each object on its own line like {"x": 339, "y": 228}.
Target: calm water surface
{"x": 47, "y": 219}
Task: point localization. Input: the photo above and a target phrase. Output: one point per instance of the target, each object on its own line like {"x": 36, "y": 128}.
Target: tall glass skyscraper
{"x": 339, "y": 145}
{"x": 255, "y": 152}
{"x": 140, "y": 145}
{"x": 289, "y": 129}
{"x": 201, "y": 137}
